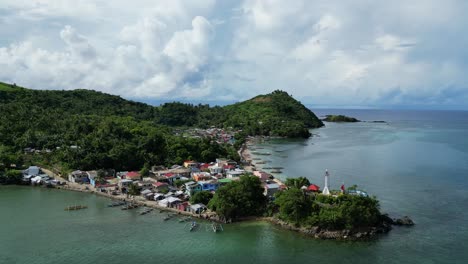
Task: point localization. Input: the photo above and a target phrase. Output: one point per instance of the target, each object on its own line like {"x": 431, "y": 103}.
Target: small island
{"x": 340, "y": 118}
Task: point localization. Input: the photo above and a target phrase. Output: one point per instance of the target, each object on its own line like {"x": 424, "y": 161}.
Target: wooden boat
{"x": 167, "y": 217}
{"x": 193, "y": 226}
{"x": 114, "y": 204}
{"x": 146, "y": 211}
{"x": 185, "y": 219}
{"x": 75, "y": 207}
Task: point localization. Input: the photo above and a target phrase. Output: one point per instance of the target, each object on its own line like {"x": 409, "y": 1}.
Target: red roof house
{"x": 133, "y": 175}
{"x": 313, "y": 188}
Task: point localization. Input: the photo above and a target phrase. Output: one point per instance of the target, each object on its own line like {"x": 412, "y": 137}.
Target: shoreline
{"x": 75, "y": 187}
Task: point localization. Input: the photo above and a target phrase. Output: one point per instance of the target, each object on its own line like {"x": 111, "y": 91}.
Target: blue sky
{"x": 358, "y": 54}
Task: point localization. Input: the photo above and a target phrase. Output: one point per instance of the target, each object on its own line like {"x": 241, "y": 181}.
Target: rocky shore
{"x": 345, "y": 234}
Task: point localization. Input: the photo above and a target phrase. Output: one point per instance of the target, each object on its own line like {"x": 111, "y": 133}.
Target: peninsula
{"x": 182, "y": 157}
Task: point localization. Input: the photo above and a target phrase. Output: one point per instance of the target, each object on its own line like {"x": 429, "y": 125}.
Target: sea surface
{"x": 416, "y": 164}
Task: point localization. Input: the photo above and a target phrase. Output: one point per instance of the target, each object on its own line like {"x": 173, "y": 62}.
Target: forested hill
{"x": 276, "y": 113}
{"x": 79, "y": 101}
{"x": 83, "y": 129}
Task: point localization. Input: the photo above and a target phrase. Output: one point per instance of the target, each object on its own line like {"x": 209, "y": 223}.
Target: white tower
{"x": 325, "y": 189}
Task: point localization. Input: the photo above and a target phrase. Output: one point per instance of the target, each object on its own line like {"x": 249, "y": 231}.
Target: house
{"x": 184, "y": 206}
{"x": 161, "y": 186}
{"x": 313, "y": 188}
{"x": 133, "y": 175}
{"x": 125, "y": 183}
{"x": 121, "y": 174}
{"x": 235, "y": 174}
{"x": 271, "y": 189}
{"x": 158, "y": 196}
{"x": 215, "y": 169}
{"x": 92, "y": 176}
{"x": 169, "y": 202}
{"x": 204, "y": 167}
{"x": 192, "y": 187}
{"x": 221, "y": 162}
{"x": 201, "y": 176}
{"x": 145, "y": 185}
{"x": 262, "y": 175}
{"x": 224, "y": 181}
{"x": 32, "y": 171}
{"x": 228, "y": 167}
{"x": 209, "y": 185}
{"x": 190, "y": 164}
{"x": 197, "y": 208}
{"x": 78, "y": 177}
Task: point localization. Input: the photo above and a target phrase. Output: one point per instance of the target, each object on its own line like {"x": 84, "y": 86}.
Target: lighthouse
{"x": 325, "y": 189}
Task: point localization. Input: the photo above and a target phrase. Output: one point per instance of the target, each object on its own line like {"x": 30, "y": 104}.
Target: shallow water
{"x": 416, "y": 165}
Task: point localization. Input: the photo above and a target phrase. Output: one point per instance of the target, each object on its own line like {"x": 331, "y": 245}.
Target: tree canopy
{"x": 239, "y": 198}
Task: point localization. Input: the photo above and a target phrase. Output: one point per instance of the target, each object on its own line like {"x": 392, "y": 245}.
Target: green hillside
{"x": 84, "y": 129}
{"x": 276, "y": 114}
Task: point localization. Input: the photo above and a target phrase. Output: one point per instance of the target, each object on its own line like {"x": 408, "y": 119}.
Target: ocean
{"x": 416, "y": 164}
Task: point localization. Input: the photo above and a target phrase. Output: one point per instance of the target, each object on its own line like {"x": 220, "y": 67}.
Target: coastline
{"x": 364, "y": 233}
{"x": 210, "y": 216}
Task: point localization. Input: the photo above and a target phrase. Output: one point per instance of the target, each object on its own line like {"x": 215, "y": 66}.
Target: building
{"x": 201, "y": 176}
{"x": 169, "y": 202}
{"x": 262, "y": 175}
{"x": 209, "y": 186}
{"x": 235, "y": 174}
{"x": 224, "y": 181}
{"x": 125, "y": 183}
{"x": 271, "y": 189}
{"x": 78, "y": 177}
{"x": 133, "y": 175}
{"x": 197, "y": 208}
{"x": 190, "y": 164}
{"x": 215, "y": 169}
{"x": 161, "y": 186}
{"x": 192, "y": 187}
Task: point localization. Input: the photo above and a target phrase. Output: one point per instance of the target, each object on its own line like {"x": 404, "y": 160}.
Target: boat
{"x": 75, "y": 207}
{"x": 216, "y": 227}
{"x": 167, "y": 217}
{"x": 185, "y": 219}
{"x": 193, "y": 226}
{"x": 129, "y": 206}
{"x": 276, "y": 171}
{"x": 115, "y": 204}
{"x": 146, "y": 211}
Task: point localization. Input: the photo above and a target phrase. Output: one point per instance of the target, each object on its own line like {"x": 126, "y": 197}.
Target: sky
{"x": 339, "y": 54}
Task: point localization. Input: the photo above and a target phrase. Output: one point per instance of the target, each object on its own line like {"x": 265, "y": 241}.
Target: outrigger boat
{"x": 216, "y": 227}
{"x": 130, "y": 206}
{"x": 117, "y": 203}
{"x": 193, "y": 226}
{"x": 167, "y": 217}
{"x": 146, "y": 211}
{"x": 75, "y": 207}
{"x": 185, "y": 219}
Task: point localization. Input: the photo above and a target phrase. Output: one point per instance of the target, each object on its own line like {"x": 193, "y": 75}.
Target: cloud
{"x": 331, "y": 52}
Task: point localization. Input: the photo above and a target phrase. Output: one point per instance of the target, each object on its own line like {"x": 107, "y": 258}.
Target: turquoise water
{"x": 416, "y": 165}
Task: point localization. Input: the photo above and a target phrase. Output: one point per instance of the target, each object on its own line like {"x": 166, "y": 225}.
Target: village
{"x": 168, "y": 188}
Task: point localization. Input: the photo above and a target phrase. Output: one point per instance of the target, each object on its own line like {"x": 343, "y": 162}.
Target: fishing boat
{"x": 75, "y": 207}
{"x": 216, "y": 227}
{"x": 185, "y": 219}
{"x": 115, "y": 204}
{"x": 167, "y": 217}
{"x": 193, "y": 226}
{"x": 146, "y": 211}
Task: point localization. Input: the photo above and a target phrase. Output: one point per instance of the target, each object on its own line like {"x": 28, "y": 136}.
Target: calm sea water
{"x": 416, "y": 165}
